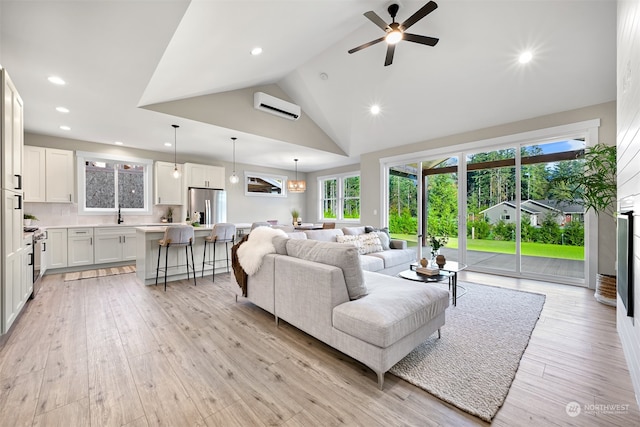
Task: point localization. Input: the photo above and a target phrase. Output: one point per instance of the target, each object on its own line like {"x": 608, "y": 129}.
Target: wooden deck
{"x": 109, "y": 351}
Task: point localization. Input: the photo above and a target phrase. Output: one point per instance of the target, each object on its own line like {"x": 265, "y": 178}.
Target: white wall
{"x": 628, "y": 142}
{"x": 240, "y": 208}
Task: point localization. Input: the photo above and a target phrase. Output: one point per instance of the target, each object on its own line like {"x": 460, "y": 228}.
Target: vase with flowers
{"x": 436, "y": 243}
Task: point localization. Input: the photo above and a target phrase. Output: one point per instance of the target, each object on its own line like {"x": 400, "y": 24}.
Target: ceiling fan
{"x": 396, "y": 32}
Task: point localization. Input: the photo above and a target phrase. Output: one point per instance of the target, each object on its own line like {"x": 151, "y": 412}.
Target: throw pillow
{"x": 383, "y": 234}
{"x": 350, "y": 238}
{"x": 370, "y": 243}
{"x": 350, "y": 231}
{"x": 342, "y": 256}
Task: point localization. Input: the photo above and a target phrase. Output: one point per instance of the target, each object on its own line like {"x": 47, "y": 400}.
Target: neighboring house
{"x": 536, "y": 211}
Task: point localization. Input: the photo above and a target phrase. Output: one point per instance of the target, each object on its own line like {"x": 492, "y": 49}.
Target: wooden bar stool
{"x": 221, "y": 233}
{"x": 176, "y": 236}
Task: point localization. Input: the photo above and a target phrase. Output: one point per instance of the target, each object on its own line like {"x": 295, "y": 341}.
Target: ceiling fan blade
{"x": 373, "y": 17}
{"x": 371, "y": 43}
{"x": 421, "y": 13}
{"x": 429, "y": 41}
{"x": 389, "y": 59}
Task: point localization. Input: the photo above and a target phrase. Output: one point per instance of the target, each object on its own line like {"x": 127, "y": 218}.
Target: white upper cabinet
{"x": 168, "y": 190}
{"x": 204, "y": 176}
{"x": 34, "y": 178}
{"x": 12, "y": 137}
{"x": 49, "y": 175}
{"x": 59, "y": 171}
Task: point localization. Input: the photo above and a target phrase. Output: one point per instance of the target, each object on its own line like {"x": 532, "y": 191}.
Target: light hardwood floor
{"x": 110, "y": 352}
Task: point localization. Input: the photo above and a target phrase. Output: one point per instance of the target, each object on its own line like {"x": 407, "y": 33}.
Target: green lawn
{"x": 496, "y": 246}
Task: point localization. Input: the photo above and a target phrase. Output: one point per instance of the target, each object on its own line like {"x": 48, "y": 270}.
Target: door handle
{"x": 30, "y": 258}
{"x": 90, "y": 241}
{"x": 19, "y": 202}
{"x": 44, "y": 246}
{"x": 19, "y": 187}
{"x": 124, "y": 239}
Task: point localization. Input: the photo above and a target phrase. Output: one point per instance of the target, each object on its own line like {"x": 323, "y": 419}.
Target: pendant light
{"x": 296, "y": 186}
{"x": 234, "y": 179}
{"x": 176, "y": 172}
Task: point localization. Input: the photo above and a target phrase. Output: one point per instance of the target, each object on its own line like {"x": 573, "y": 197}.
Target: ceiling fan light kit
{"x": 397, "y": 32}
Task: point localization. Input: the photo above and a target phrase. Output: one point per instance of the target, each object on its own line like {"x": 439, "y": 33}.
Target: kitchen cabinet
{"x": 34, "y": 175}
{"x": 114, "y": 244}
{"x": 55, "y": 250}
{"x": 168, "y": 190}
{"x": 27, "y": 267}
{"x": 12, "y": 134}
{"x": 204, "y": 176}
{"x": 50, "y": 175}
{"x": 79, "y": 246}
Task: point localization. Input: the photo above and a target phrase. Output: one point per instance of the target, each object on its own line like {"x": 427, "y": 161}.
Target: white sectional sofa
{"x": 320, "y": 288}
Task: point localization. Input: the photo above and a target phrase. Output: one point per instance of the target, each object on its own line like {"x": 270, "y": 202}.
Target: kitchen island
{"x": 147, "y": 255}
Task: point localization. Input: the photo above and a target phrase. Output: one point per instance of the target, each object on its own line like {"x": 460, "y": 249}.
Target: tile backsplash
{"x": 50, "y": 214}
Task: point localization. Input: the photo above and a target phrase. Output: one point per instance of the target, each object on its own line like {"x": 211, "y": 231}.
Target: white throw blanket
{"x": 259, "y": 244}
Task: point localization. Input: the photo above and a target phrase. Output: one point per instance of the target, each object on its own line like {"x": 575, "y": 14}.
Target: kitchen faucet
{"x": 120, "y": 220}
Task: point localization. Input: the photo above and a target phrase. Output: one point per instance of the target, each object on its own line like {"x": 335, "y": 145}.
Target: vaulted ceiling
{"x": 133, "y": 68}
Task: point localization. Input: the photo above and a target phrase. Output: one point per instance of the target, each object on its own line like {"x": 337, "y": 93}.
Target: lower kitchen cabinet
{"x": 55, "y": 249}
{"x": 79, "y": 246}
{"x": 114, "y": 244}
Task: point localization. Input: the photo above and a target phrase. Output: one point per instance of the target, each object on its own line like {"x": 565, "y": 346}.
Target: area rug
{"x": 474, "y": 363}
{"x": 100, "y": 272}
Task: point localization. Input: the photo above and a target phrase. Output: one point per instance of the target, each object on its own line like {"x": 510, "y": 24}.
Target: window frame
{"x": 340, "y": 196}
{"x": 82, "y": 157}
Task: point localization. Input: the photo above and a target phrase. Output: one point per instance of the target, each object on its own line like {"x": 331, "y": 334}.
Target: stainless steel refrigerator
{"x": 211, "y": 204}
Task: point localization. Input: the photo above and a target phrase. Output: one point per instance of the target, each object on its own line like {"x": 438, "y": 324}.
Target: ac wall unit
{"x": 277, "y": 106}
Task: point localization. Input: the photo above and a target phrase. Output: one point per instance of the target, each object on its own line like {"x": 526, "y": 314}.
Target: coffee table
{"x": 449, "y": 271}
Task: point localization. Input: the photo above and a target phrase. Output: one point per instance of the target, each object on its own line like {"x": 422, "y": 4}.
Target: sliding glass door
{"x": 516, "y": 214}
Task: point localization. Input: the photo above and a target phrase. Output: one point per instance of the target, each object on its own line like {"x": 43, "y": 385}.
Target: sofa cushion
{"x": 371, "y": 263}
{"x": 280, "y": 243}
{"x": 353, "y": 231}
{"x": 392, "y": 309}
{"x": 326, "y": 235}
{"x": 342, "y": 256}
{"x": 394, "y": 257}
{"x": 297, "y": 235}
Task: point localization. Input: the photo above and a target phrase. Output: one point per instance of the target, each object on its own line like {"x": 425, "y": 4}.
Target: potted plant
{"x": 595, "y": 187}
{"x": 28, "y": 218}
{"x": 295, "y": 213}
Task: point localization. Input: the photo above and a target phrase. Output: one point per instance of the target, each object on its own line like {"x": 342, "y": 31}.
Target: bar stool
{"x": 176, "y": 236}
{"x": 221, "y": 233}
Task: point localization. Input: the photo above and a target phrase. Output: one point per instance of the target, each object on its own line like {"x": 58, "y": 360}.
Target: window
{"x": 106, "y": 183}
{"x": 340, "y": 197}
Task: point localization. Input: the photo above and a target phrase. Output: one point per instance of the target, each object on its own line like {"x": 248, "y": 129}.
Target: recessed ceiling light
{"x": 62, "y": 109}
{"x": 56, "y": 80}
{"x": 63, "y": 127}
{"x": 375, "y": 109}
{"x": 167, "y": 144}
{"x": 256, "y": 51}
{"x": 118, "y": 142}
{"x": 525, "y": 57}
